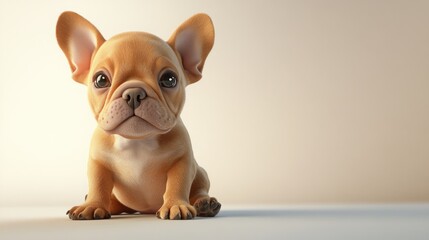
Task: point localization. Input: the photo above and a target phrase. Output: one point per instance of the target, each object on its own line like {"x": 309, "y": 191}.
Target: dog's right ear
{"x": 79, "y": 40}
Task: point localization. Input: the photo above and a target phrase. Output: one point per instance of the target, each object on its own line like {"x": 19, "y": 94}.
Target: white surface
{"x": 270, "y": 222}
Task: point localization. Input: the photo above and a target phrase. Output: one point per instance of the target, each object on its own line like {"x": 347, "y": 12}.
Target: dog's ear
{"x": 79, "y": 40}
{"x": 193, "y": 41}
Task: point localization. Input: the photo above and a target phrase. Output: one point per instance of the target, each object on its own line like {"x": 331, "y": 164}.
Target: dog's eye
{"x": 101, "y": 80}
{"x": 168, "y": 79}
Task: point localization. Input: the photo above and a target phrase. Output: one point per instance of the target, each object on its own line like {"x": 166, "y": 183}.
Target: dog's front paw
{"x": 88, "y": 212}
{"x": 176, "y": 211}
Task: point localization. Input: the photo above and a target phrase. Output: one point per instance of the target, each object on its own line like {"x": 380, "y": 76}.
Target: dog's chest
{"x": 138, "y": 169}
{"x": 139, "y": 173}
{"x": 135, "y": 160}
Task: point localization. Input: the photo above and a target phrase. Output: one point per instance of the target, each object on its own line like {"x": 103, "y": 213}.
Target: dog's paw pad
{"x": 207, "y": 207}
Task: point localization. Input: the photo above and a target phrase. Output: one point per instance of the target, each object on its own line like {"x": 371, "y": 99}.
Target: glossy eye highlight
{"x": 168, "y": 79}
{"x": 101, "y": 80}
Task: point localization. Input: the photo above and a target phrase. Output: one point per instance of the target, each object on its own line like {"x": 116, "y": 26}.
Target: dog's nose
{"x": 134, "y": 96}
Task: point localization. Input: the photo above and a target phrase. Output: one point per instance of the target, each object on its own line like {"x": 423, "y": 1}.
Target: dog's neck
{"x": 122, "y": 143}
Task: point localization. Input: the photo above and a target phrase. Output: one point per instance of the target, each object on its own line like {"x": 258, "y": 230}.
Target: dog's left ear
{"x": 193, "y": 41}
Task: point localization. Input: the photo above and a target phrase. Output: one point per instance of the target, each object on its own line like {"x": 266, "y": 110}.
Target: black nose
{"x": 134, "y": 96}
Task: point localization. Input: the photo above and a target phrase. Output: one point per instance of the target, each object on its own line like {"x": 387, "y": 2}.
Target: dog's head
{"x": 136, "y": 81}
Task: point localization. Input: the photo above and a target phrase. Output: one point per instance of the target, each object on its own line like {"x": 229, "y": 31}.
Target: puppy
{"x": 141, "y": 157}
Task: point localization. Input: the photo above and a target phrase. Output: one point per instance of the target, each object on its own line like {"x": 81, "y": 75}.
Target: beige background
{"x": 301, "y": 101}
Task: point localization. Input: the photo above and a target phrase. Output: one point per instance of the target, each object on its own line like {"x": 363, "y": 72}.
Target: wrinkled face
{"x": 136, "y": 82}
{"x": 136, "y": 86}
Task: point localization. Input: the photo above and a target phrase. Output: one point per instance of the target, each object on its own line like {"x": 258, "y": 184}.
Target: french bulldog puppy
{"x": 141, "y": 157}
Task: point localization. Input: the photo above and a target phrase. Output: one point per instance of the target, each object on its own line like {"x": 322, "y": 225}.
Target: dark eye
{"x": 168, "y": 79}
{"x": 101, "y": 80}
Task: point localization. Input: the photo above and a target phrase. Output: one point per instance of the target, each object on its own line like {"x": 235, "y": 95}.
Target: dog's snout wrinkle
{"x": 134, "y": 96}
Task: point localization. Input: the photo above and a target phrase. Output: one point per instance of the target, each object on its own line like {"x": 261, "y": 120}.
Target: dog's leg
{"x": 98, "y": 199}
{"x": 176, "y": 197}
{"x": 205, "y": 205}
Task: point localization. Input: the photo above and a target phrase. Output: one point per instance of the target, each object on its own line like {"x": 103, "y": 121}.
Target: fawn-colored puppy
{"x": 141, "y": 157}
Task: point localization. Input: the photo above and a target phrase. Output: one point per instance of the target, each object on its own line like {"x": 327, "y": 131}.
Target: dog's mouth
{"x": 135, "y": 127}
{"x": 136, "y": 119}
{"x": 148, "y": 116}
